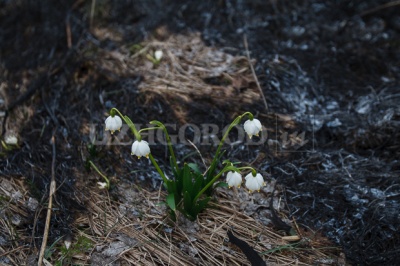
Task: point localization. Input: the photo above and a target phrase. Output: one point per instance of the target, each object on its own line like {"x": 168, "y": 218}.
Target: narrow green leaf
{"x": 221, "y": 184}
{"x": 211, "y": 172}
{"x": 179, "y": 181}
{"x": 213, "y": 166}
{"x": 198, "y": 184}
{"x": 170, "y": 186}
{"x": 187, "y": 179}
{"x": 171, "y": 201}
{"x": 194, "y": 167}
{"x": 200, "y": 205}
{"x": 187, "y": 202}
{"x": 172, "y": 164}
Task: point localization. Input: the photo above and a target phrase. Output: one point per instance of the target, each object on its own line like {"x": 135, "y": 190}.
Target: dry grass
{"x": 188, "y": 71}
{"x": 136, "y": 231}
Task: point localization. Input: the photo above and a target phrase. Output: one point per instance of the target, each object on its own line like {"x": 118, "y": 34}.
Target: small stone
{"x": 32, "y": 204}
{"x": 16, "y": 219}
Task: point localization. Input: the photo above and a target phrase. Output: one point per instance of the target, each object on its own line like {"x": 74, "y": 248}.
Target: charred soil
{"x": 330, "y": 74}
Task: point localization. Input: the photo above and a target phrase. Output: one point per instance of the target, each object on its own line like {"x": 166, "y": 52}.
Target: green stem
{"x": 225, "y": 169}
{"x": 128, "y": 122}
{"x": 153, "y": 161}
{"x": 147, "y": 129}
{"x": 168, "y": 139}
{"x": 98, "y": 171}
{"x": 253, "y": 171}
{"x": 232, "y": 125}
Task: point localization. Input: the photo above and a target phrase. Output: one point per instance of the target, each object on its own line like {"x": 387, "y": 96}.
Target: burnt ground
{"x": 329, "y": 69}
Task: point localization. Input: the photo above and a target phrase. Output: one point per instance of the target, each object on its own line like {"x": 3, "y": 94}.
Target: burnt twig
{"x": 250, "y": 253}
{"x": 276, "y": 221}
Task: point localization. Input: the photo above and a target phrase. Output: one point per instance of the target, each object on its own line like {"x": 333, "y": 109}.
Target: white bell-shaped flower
{"x": 252, "y": 127}
{"x": 113, "y": 123}
{"x": 234, "y": 179}
{"x": 11, "y": 140}
{"x": 141, "y": 148}
{"x": 254, "y": 183}
{"x": 102, "y": 185}
{"x": 158, "y": 55}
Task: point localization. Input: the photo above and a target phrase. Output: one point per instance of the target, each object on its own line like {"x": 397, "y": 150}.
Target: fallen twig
{"x": 254, "y": 73}
{"x": 50, "y": 205}
{"x": 378, "y": 8}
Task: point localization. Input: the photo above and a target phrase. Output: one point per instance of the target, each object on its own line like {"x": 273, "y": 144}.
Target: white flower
{"x": 252, "y": 127}
{"x": 113, "y": 123}
{"x": 254, "y": 182}
{"x": 158, "y": 55}
{"x": 141, "y": 148}
{"x": 67, "y": 243}
{"x": 102, "y": 185}
{"x": 234, "y": 179}
{"x": 11, "y": 140}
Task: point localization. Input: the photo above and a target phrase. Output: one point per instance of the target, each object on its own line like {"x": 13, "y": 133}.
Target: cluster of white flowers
{"x": 139, "y": 148}
{"x": 234, "y": 179}
{"x": 253, "y": 183}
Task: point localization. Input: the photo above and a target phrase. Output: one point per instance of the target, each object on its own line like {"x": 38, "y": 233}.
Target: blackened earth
{"x": 332, "y": 66}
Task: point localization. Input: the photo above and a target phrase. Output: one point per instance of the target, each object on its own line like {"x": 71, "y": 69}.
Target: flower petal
{"x": 102, "y": 185}
{"x": 113, "y": 123}
{"x": 234, "y": 179}
{"x": 254, "y": 182}
{"x": 252, "y": 127}
{"x": 140, "y": 148}
{"x": 158, "y": 55}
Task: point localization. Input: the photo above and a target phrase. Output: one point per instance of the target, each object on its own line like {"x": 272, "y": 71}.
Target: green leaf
{"x": 200, "y": 205}
{"x": 194, "y": 167}
{"x": 172, "y": 215}
{"x": 221, "y": 184}
{"x": 179, "y": 180}
{"x": 190, "y": 216}
{"x": 190, "y": 154}
{"x": 211, "y": 171}
{"x": 172, "y": 164}
{"x": 187, "y": 202}
{"x": 198, "y": 184}
{"x": 171, "y": 201}
{"x": 187, "y": 179}
{"x": 171, "y": 186}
